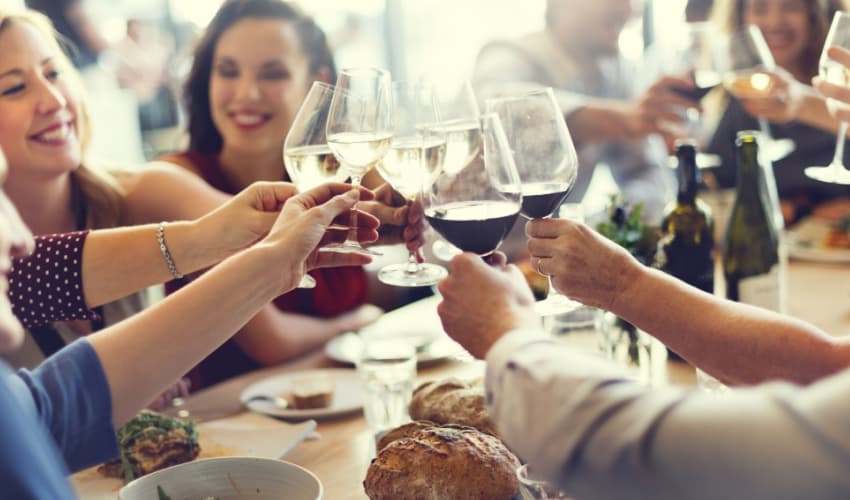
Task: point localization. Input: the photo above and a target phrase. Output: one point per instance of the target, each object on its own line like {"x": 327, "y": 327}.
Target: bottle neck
{"x": 749, "y": 169}
{"x": 688, "y": 175}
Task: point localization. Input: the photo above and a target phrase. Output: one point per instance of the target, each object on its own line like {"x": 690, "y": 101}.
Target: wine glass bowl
{"x": 414, "y": 160}
{"x": 836, "y": 73}
{"x": 475, "y": 207}
{"x": 546, "y": 161}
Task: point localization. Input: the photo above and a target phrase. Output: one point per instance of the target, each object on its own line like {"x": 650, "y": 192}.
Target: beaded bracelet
{"x": 160, "y": 238}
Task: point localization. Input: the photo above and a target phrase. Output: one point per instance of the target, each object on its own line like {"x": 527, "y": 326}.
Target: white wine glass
{"x": 307, "y": 157}
{"x": 459, "y": 115}
{"x": 414, "y": 160}
{"x": 836, "y": 73}
{"x": 475, "y": 207}
{"x": 746, "y": 63}
{"x": 546, "y": 161}
{"x": 359, "y": 131}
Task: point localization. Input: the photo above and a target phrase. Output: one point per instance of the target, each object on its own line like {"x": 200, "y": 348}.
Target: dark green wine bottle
{"x": 751, "y": 246}
{"x": 687, "y": 229}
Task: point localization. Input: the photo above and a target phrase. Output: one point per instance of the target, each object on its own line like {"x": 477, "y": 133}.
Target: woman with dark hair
{"x": 251, "y": 70}
{"x": 795, "y": 31}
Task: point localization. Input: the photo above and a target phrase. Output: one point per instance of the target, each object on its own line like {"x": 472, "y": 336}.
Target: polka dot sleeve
{"x": 47, "y": 285}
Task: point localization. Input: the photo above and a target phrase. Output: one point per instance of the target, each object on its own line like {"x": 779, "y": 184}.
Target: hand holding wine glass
{"x": 834, "y": 71}
{"x": 359, "y": 129}
{"x": 546, "y": 161}
{"x": 414, "y": 160}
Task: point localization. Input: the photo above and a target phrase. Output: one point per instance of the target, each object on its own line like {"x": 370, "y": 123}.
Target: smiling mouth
{"x": 55, "y": 134}
{"x": 249, "y": 120}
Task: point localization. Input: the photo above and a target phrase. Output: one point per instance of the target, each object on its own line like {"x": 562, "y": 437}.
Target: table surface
{"x": 819, "y": 293}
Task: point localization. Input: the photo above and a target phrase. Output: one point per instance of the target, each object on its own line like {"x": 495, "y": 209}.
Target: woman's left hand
{"x": 401, "y": 221}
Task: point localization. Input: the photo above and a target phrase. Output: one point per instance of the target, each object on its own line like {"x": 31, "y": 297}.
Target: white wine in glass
{"x": 836, "y": 73}
{"x": 413, "y": 162}
{"x": 359, "y": 130}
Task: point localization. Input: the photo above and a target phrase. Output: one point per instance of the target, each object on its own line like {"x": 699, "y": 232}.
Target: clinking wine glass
{"x": 546, "y": 161}
{"x": 414, "y": 160}
{"x": 459, "y": 115}
{"x": 475, "y": 207}
{"x": 307, "y": 157}
{"x": 836, "y": 73}
{"x": 746, "y": 63}
{"x": 359, "y": 130}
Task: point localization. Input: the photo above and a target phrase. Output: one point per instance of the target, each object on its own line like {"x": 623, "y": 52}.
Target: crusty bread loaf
{"x": 452, "y": 401}
{"x": 451, "y": 462}
{"x": 406, "y": 430}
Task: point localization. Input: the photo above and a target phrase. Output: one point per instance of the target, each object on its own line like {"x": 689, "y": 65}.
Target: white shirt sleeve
{"x": 580, "y": 422}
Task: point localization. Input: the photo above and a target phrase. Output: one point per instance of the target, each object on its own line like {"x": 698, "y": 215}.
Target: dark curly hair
{"x": 204, "y": 137}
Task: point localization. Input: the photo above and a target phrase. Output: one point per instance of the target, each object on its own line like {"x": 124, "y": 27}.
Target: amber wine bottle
{"x": 751, "y": 246}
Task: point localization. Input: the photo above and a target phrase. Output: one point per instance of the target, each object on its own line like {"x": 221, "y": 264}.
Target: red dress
{"x": 337, "y": 290}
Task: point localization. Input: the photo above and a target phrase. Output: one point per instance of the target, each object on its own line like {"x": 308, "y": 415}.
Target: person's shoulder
{"x": 192, "y": 161}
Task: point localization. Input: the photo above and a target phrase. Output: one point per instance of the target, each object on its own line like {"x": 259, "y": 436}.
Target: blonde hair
{"x": 728, "y": 15}
{"x": 99, "y": 193}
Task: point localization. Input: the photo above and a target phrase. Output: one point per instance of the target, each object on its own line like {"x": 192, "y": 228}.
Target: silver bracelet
{"x": 160, "y": 238}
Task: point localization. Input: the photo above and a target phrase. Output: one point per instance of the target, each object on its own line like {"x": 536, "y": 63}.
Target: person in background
{"x": 62, "y": 417}
{"x": 251, "y": 70}
{"x": 76, "y": 26}
{"x": 583, "y": 424}
{"x": 795, "y": 31}
{"x": 577, "y": 54}
{"x": 45, "y": 135}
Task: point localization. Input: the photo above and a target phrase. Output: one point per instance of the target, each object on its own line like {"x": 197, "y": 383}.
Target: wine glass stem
{"x": 412, "y": 263}
{"x": 351, "y": 239}
{"x": 764, "y": 127}
{"x": 838, "y": 159}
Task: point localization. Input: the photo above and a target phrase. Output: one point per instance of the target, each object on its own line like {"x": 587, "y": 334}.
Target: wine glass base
{"x": 399, "y": 275}
{"x": 830, "y": 174}
{"x": 555, "y": 304}
{"x": 350, "y": 248}
{"x": 307, "y": 281}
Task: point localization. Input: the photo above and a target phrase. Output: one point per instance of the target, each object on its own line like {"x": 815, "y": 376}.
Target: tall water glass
{"x": 387, "y": 371}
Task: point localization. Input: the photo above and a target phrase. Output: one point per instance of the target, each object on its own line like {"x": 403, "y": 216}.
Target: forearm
{"x": 274, "y": 336}
{"x": 735, "y": 342}
{"x": 141, "y": 263}
{"x": 166, "y": 340}
{"x": 600, "y": 120}
{"x": 578, "y": 422}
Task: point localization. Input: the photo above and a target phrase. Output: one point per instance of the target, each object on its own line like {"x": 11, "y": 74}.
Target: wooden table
{"x": 818, "y": 293}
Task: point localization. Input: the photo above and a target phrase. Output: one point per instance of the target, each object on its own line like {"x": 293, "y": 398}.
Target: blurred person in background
{"x": 795, "y": 31}
{"x": 251, "y": 70}
{"x": 577, "y": 54}
{"x": 76, "y": 26}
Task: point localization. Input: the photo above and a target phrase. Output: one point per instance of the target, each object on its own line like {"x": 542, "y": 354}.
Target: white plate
{"x": 346, "y": 348}
{"x": 805, "y": 242}
{"x": 245, "y": 434}
{"x": 346, "y": 397}
{"x": 228, "y": 477}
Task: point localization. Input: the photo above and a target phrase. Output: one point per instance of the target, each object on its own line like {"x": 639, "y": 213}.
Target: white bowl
{"x": 228, "y": 478}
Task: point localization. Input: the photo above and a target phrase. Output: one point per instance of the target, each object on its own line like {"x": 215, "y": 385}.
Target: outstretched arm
{"x": 735, "y": 342}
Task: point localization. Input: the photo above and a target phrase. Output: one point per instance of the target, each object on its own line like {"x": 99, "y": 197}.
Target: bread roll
{"x": 452, "y": 401}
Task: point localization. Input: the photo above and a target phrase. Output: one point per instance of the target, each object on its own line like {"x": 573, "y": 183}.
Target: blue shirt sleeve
{"x": 69, "y": 394}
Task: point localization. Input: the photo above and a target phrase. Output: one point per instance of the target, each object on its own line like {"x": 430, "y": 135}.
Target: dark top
{"x": 337, "y": 290}
{"x": 57, "y": 11}
{"x": 813, "y": 147}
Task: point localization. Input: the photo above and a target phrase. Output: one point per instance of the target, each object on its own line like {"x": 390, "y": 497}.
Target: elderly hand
{"x": 245, "y": 218}
{"x": 401, "y": 222}
{"x": 482, "y": 303}
{"x": 583, "y": 264}
{"x": 833, "y": 91}
{"x": 780, "y": 103}
{"x": 304, "y": 225}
